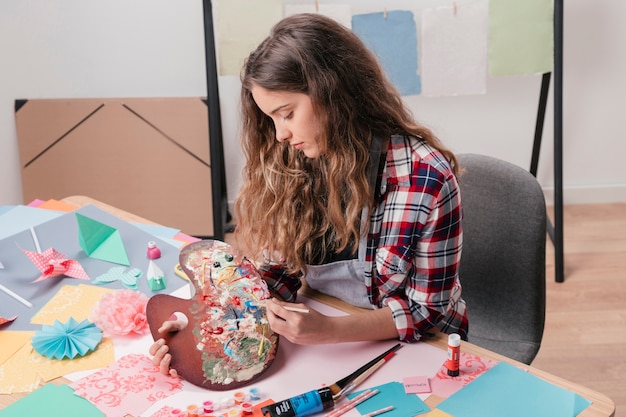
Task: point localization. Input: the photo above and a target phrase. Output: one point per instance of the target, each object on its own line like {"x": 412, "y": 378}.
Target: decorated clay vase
{"x": 228, "y": 342}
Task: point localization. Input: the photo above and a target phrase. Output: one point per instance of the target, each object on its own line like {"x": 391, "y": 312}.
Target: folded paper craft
{"x": 52, "y": 263}
{"x": 67, "y": 340}
{"x": 156, "y": 277}
{"x": 101, "y": 241}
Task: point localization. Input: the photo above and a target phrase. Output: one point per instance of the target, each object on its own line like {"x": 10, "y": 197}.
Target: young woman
{"x": 342, "y": 188}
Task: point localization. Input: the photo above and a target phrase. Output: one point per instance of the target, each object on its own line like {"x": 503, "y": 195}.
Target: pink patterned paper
{"x": 470, "y": 367}
{"x": 129, "y": 386}
{"x": 165, "y": 411}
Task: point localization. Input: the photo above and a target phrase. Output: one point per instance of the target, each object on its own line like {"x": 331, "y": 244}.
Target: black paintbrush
{"x": 337, "y": 388}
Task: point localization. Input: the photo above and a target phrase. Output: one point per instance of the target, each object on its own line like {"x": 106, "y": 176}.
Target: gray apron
{"x": 345, "y": 279}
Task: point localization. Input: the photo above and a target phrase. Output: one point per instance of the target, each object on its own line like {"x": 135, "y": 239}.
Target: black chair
{"x": 503, "y": 264}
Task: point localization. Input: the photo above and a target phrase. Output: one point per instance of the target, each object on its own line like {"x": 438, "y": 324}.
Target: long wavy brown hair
{"x": 293, "y": 208}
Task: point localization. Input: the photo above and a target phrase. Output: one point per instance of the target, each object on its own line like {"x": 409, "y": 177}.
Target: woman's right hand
{"x": 159, "y": 349}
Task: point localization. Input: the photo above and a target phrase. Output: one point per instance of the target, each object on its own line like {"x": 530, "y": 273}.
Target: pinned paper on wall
{"x": 241, "y": 25}
{"x": 392, "y": 36}
{"x": 342, "y": 13}
{"x": 521, "y": 37}
{"x": 454, "y": 49}
{"x": 101, "y": 241}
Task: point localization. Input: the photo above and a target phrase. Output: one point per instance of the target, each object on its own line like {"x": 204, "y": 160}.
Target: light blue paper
{"x": 20, "y": 218}
{"x": 392, "y": 393}
{"x": 506, "y": 390}
{"x": 393, "y": 38}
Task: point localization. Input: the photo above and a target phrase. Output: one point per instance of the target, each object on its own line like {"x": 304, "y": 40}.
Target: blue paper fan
{"x": 67, "y": 340}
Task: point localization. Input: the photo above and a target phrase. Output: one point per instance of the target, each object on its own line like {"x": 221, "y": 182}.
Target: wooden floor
{"x": 585, "y": 334}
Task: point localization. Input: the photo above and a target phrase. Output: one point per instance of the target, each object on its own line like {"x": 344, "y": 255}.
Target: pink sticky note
{"x": 416, "y": 384}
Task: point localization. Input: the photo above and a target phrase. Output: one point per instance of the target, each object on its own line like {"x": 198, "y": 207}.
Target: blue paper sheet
{"x": 506, "y": 390}
{"x": 392, "y": 393}
{"x": 393, "y": 38}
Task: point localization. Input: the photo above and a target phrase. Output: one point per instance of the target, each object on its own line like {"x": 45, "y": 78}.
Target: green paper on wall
{"x": 101, "y": 241}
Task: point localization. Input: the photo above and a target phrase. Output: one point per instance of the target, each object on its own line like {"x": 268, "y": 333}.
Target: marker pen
{"x": 301, "y": 405}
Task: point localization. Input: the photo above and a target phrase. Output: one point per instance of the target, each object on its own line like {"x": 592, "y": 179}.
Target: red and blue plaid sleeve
{"x": 281, "y": 283}
{"x": 415, "y": 242}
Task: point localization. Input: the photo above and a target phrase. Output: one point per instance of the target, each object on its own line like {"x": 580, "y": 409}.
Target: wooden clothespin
{"x": 385, "y": 13}
{"x": 317, "y": 6}
{"x": 454, "y": 8}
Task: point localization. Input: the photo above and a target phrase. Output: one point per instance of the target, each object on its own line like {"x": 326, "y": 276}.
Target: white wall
{"x": 154, "y": 48}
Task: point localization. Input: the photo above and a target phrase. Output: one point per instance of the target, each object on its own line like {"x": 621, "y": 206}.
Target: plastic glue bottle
{"x": 454, "y": 353}
{"x": 311, "y": 402}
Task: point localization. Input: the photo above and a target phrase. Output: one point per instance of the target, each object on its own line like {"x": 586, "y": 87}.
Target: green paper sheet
{"x": 52, "y": 401}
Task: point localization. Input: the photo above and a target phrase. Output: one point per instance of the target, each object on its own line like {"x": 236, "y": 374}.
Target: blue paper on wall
{"x": 392, "y": 36}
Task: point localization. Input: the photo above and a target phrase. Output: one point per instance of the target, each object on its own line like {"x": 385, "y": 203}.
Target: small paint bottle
{"x": 208, "y": 406}
{"x": 176, "y": 412}
{"x": 255, "y": 394}
{"x": 454, "y": 354}
{"x": 153, "y": 251}
{"x": 247, "y": 409}
{"x": 311, "y": 402}
{"x": 192, "y": 410}
{"x": 239, "y": 397}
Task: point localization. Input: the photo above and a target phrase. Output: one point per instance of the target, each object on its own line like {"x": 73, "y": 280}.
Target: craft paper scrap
{"x": 57, "y": 206}
{"x": 470, "y": 367}
{"x": 521, "y": 37}
{"x": 435, "y": 412}
{"x": 342, "y": 13}
{"x": 27, "y": 369}
{"x": 392, "y": 393}
{"x": 52, "y": 263}
{"x": 506, "y": 390}
{"x": 416, "y": 384}
{"x": 101, "y": 241}
{"x": 241, "y": 25}
{"x": 70, "y": 301}
{"x": 11, "y": 342}
{"x": 392, "y": 36}
{"x": 129, "y": 386}
{"x": 454, "y": 49}
{"x": 52, "y": 401}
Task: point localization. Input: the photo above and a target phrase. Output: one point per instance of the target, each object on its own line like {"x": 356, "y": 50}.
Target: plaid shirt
{"x": 414, "y": 244}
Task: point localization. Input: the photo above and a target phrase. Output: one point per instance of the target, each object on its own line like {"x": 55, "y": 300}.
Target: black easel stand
{"x": 555, "y": 231}
{"x": 218, "y": 175}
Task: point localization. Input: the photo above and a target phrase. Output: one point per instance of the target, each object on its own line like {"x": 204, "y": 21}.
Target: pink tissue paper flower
{"x": 121, "y": 312}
